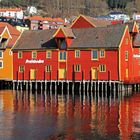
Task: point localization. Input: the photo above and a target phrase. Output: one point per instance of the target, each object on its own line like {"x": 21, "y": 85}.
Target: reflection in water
{"x": 28, "y": 116}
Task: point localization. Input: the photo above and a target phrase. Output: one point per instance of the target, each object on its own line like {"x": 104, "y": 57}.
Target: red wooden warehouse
{"x": 103, "y": 53}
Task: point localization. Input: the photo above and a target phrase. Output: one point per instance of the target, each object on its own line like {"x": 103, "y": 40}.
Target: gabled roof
{"x": 13, "y": 32}
{"x": 131, "y": 26}
{"x": 98, "y": 22}
{"x": 10, "y": 9}
{"x": 1, "y": 30}
{"x": 93, "y": 21}
{"x": 103, "y": 37}
{"x": 66, "y": 31}
{"x": 35, "y": 40}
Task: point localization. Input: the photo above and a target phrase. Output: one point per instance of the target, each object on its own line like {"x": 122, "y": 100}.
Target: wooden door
{"x": 126, "y": 73}
{"x": 94, "y": 73}
{"x": 62, "y": 73}
{"x": 32, "y": 74}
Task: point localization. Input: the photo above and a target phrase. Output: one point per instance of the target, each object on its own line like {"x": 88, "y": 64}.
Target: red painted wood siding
{"x": 110, "y": 60}
{"x": 136, "y": 65}
{"x": 126, "y": 64}
{"x": 40, "y": 68}
{"x": 81, "y": 23}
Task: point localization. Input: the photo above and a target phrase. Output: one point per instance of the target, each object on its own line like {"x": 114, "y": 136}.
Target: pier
{"x": 65, "y": 86}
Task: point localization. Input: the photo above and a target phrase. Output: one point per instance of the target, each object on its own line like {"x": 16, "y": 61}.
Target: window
{"x": 21, "y": 68}
{"x": 1, "y": 54}
{"x": 126, "y": 73}
{"x": 19, "y": 54}
{"x": 34, "y": 55}
{"x": 77, "y": 54}
{"x": 102, "y": 68}
{"x": 48, "y": 54}
{"x": 62, "y": 56}
{"x": 78, "y": 68}
{"x": 126, "y": 41}
{"x": 126, "y": 56}
{"x": 102, "y": 54}
{"x": 94, "y": 55}
{"x": 1, "y": 64}
{"x": 48, "y": 68}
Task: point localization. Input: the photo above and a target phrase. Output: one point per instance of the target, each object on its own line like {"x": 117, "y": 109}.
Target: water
{"x": 25, "y": 116}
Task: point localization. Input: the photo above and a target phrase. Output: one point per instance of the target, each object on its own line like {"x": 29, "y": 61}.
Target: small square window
{"x": 126, "y": 56}
{"x": 21, "y": 68}
{"x": 126, "y": 41}
{"x": 1, "y": 54}
{"x": 102, "y": 68}
{"x": 77, "y": 54}
{"x": 48, "y": 54}
{"x": 48, "y": 68}
{"x": 1, "y": 64}
{"x": 19, "y": 55}
{"x": 77, "y": 68}
{"x": 34, "y": 54}
{"x": 102, "y": 54}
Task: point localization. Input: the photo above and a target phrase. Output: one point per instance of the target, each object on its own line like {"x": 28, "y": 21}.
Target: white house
{"x": 32, "y": 10}
{"x": 119, "y": 16}
{"x": 136, "y": 16}
{"x": 11, "y": 12}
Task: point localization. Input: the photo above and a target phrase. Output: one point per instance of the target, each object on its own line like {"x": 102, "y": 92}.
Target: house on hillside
{"x": 16, "y": 13}
{"x": 40, "y": 23}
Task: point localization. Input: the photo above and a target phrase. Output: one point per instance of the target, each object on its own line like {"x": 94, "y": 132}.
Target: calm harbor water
{"x": 26, "y": 116}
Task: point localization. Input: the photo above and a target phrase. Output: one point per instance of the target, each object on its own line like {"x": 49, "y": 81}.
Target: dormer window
{"x": 62, "y": 43}
{"x": 3, "y": 42}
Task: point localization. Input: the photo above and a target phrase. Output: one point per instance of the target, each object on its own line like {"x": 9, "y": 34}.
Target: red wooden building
{"x": 89, "y": 22}
{"x": 103, "y": 53}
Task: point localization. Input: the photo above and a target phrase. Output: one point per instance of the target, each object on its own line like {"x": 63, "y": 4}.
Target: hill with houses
{"x": 65, "y": 8}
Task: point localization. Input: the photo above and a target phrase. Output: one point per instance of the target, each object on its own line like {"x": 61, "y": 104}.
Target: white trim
{"x": 1, "y": 61}
{"x": 6, "y": 28}
{"x": 2, "y": 54}
{"x": 92, "y": 55}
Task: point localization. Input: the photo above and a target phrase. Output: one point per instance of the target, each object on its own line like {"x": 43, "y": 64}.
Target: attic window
{"x": 62, "y": 43}
{"x": 3, "y": 42}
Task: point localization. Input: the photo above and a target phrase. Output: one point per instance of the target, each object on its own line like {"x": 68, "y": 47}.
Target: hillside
{"x": 66, "y": 8}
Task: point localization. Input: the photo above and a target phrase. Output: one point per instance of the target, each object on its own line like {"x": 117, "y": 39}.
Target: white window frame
{"x": 77, "y": 53}
{"x": 2, "y": 54}
{"x": 1, "y": 61}
{"x": 33, "y": 55}
{"x": 92, "y": 54}
{"x": 48, "y": 57}
{"x": 21, "y": 55}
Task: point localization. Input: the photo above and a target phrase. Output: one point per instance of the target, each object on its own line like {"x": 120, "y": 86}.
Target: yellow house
{"x": 21, "y": 29}
{"x": 8, "y": 37}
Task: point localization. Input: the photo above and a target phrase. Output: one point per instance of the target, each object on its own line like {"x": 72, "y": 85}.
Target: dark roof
{"x": 103, "y": 37}
{"x": 97, "y": 22}
{"x": 68, "y": 32}
{"x": 36, "y": 40}
{"x": 130, "y": 25}
{"x": 137, "y": 41}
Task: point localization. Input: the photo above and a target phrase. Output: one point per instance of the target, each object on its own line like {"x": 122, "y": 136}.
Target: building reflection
{"x": 76, "y": 116}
